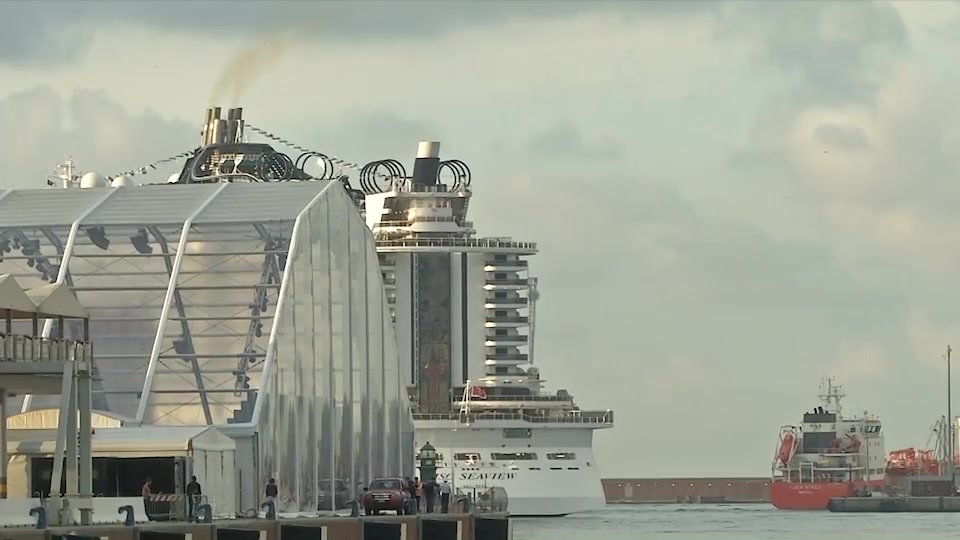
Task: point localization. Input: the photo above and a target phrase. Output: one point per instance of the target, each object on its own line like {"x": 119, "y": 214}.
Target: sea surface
{"x": 739, "y": 522}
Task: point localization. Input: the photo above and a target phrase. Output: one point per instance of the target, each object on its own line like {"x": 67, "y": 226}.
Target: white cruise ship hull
{"x": 539, "y": 486}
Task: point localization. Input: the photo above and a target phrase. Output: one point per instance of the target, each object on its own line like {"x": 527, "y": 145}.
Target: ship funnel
{"x": 427, "y": 166}
{"x": 217, "y": 130}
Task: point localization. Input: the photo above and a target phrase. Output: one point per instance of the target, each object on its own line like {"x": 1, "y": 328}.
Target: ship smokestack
{"x": 427, "y": 165}
{"x": 207, "y": 130}
{"x": 238, "y": 119}
{"x": 231, "y": 133}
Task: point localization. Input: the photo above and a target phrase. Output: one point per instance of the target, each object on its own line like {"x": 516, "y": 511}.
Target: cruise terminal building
{"x": 240, "y": 332}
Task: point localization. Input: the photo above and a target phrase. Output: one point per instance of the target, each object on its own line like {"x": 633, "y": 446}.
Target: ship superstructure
{"x": 828, "y": 455}
{"x": 464, "y": 309}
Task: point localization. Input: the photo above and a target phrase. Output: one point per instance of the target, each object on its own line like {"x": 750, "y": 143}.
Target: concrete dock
{"x": 419, "y": 527}
{"x": 894, "y": 504}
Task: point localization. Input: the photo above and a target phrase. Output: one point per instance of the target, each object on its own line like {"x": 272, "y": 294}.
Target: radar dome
{"x": 174, "y": 178}
{"x": 91, "y": 180}
{"x": 122, "y": 181}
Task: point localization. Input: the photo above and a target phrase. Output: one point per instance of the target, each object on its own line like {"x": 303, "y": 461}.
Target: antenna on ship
{"x": 831, "y": 393}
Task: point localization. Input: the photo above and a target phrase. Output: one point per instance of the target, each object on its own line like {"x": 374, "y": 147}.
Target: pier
{"x": 420, "y": 527}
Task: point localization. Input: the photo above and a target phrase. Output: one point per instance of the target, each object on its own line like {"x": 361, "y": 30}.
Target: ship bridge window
{"x": 514, "y": 456}
{"x": 562, "y": 455}
{"x": 517, "y": 433}
{"x": 467, "y": 456}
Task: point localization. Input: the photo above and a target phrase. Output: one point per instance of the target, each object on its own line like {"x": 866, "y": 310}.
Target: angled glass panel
{"x": 339, "y": 234}
{"x": 215, "y": 341}
{"x": 120, "y": 275}
{"x": 322, "y": 260}
{"x": 30, "y": 208}
{"x": 262, "y": 202}
{"x": 359, "y": 314}
{"x": 374, "y": 366}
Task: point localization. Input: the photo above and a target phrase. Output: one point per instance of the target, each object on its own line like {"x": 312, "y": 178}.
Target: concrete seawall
{"x": 894, "y": 504}
{"x": 686, "y": 490}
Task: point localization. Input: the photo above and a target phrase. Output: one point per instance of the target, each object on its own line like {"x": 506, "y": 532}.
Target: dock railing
{"x": 491, "y": 500}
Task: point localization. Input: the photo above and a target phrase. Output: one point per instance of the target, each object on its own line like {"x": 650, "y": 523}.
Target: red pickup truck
{"x": 385, "y": 494}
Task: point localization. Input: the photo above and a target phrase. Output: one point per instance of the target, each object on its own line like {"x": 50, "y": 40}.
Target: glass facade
{"x": 241, "y": 304}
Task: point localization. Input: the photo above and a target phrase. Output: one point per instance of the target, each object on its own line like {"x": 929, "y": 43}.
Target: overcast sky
{"x": 732, "y": 199}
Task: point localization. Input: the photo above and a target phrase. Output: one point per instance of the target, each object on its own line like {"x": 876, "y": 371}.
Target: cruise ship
{"x": 464, "y": 310}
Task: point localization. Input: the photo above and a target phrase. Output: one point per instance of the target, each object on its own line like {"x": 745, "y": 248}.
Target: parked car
{"x": 340, "y": 495}
{"x": 385, "y": 494}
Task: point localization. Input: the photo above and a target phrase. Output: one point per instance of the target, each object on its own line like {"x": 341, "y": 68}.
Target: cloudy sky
{"x": 732, "y": 199}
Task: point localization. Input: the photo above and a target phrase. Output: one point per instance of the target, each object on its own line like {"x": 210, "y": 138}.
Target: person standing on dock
{"x": 193, "y": 496}
{"x": 445, "y": 497}
{"x": 270, "y": 493}
{"x": 418, "y": 492}
{"x": 146, "y": 493}
{"x": 430, "y": 492}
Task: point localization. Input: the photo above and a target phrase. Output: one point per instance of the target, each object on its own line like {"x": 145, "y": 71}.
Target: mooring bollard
{"x": 466, "y": 504}
{"x": 129, "y": 519}
{"x": 354, "y": 508}
{"x": 271, "y": 507}
{"x": 205, "y": 513}
{"x": 411, "y": 507}
{"x": 41, "y": 514}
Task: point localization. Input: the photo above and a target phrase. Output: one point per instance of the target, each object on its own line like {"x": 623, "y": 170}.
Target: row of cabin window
{"x": 514, "y": 456}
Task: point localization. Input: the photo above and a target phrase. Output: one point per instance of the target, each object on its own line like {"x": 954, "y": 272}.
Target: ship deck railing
{"x": 581, "y": 417}
{"x": 424, "y": 219}
{"x": 459, "y": 390}
{"x": 485, "y": 243}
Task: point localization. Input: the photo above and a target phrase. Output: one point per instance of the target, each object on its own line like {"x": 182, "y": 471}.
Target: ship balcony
{"x": 507, "y": 284}
{"x": 493, "y": 339}
{"x": 506, "y": 322}
{"x": 503, "y": 359}
{"x": 387, "y": 262}
{"x": 494, "y": 303}
{"x": 505, "y": 266}
{"x": 390, "y": 282}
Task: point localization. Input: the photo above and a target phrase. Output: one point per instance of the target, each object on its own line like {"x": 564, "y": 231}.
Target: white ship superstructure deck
{"x": 464, "y": 308}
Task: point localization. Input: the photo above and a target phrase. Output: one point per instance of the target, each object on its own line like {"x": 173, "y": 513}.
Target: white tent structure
{"x": 255, "y": 308}
{"x": 209, "y": 454}
{"x": 14, "y": 300}
{"x": 57, "y": 298}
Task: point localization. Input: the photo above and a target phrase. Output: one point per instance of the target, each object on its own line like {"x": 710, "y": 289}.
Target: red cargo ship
{"x": 827, "y": 456}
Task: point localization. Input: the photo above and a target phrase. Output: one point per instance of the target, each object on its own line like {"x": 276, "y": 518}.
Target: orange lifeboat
{"x": 786, "y": 448}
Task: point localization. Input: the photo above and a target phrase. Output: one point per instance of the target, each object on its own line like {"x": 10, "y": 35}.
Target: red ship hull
{"x": 813, "y": 495}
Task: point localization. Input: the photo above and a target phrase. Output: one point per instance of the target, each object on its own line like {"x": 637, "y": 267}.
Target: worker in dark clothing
{"x": 430, "y": 493}
{"x": 270, "y": 493}
{"x": 193, "y": 496}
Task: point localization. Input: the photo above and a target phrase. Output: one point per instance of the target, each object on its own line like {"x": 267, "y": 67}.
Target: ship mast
{"x": 951, "y": 439}
{"x": 831, "y": 394}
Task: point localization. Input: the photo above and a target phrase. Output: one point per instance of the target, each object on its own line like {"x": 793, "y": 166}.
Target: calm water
{"x": 747, "y": 522}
